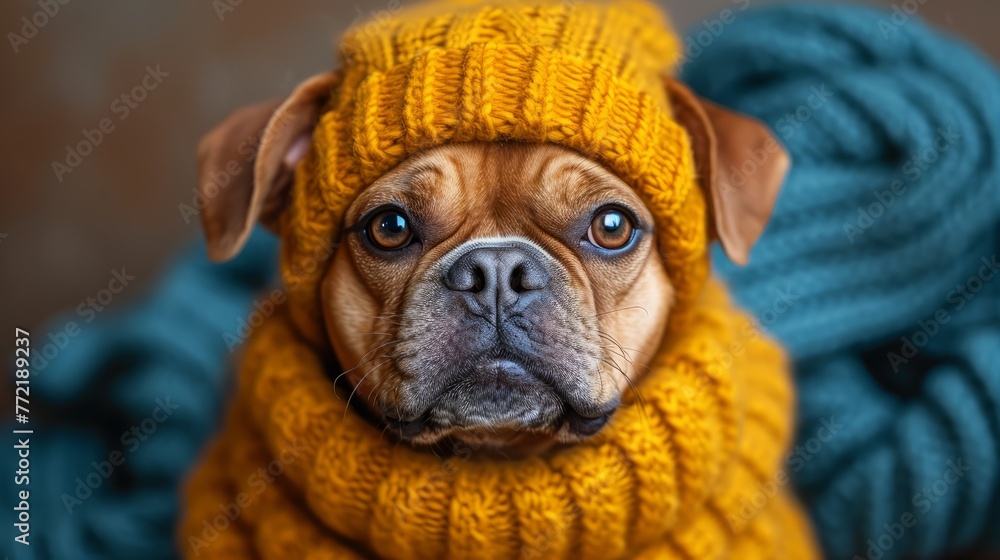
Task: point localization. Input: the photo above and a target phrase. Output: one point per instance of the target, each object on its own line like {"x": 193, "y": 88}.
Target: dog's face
{"x": 502, "y": 294}
{"x": 483, "y": 291}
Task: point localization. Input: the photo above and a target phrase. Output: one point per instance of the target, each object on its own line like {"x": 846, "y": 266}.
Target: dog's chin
{"x": 500, "y": 405}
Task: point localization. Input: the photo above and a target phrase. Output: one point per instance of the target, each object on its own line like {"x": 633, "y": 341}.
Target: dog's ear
{"x": 740, "y": 165}
{"x": 247, "y": 163}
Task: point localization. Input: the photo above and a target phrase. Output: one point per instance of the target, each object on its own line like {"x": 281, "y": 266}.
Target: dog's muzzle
{"x": 501, "y": 346}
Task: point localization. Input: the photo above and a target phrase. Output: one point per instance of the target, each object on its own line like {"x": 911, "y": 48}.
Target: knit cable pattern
{"x": 885, "y": 240}
{"x": 665, "y": 479}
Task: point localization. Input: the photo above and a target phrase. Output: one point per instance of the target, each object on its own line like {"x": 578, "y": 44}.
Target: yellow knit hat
{"x": 588, "y": 76}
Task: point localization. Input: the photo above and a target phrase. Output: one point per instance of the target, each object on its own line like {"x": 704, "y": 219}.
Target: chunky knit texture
{"x": 688, "y": 474}
{"x": 295, "y": 475}
{"x": 895, "y": 314}
{"x": 587, "y": 76}
{"x": 166, "y": 347}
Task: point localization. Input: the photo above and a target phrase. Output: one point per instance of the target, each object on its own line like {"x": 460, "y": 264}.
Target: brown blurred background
{"x": 64, "y": 231}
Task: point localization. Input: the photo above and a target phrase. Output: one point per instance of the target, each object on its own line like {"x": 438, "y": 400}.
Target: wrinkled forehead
{"x": 497, "y": 186}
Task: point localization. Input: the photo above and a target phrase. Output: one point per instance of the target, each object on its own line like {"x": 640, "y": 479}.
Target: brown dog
{"x": 506, "y": 294}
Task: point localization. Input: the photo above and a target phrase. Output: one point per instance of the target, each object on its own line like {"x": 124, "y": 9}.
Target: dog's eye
{"x": 610, "y": 229}
{"x": 390, "y": 230}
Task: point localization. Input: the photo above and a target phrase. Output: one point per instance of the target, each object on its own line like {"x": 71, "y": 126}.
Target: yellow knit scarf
{"x": 688, "y": 473}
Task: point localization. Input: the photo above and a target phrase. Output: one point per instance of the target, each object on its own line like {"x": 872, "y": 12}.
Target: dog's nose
{"x": 496, "y": 276}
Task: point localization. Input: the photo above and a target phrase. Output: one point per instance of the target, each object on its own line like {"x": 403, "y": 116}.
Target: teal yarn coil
{"x": 122, "y": 409}
{"x": 879, "y": 268}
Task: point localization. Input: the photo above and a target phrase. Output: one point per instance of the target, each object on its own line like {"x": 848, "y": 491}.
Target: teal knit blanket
{"x": 879, "y": 269}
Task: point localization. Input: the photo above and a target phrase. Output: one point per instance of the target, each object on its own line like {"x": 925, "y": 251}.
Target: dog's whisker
{"x": 612, "y": 350}
{"x": 623, "y": 309}
{"x": 373, "y": 358}
{"x": 637, "y": 351}
{"x": 632, "y": 386}
{"x": 377, "y": 386}
{"x": 365, "y": 359}
{"x": 635, "y": 390}
{"x": 347, "y": 407}
{"x": 623, "y": 354}
{"x": 621, "y": 351}
{"x": 614, "y": 364}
